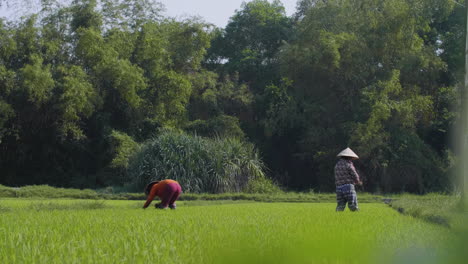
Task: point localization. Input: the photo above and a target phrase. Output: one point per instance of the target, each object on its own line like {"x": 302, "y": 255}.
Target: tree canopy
{"x": 84, "y": 84}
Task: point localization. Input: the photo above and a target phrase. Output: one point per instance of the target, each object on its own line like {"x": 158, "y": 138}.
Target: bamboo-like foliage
{"x": 199, "y": 164}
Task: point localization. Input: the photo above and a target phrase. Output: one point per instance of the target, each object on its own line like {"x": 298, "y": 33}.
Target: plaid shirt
{"x": 345, "y": 173}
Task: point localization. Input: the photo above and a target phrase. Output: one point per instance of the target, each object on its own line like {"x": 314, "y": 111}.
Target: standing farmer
{"x": 345, "y": 179}
{"x": 167, "y": 190}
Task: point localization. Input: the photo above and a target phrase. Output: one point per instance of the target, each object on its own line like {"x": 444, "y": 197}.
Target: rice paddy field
{"x": 83, "y": 231}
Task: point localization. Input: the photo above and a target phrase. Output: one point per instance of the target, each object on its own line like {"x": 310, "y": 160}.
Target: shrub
{"x": 223, "y": 125}
{"x": 199, "y": 164}
{"x": 261, "y": 185}
{"x": 122, "y": 147}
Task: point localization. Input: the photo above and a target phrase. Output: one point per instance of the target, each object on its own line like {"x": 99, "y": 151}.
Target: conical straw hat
{"x": 348, "y": 153}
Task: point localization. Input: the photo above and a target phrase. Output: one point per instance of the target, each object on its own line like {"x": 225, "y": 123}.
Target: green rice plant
{"x": 258, "y": 189}
{"x": 199, "y": 164}
{"x": 45, "y": 191}
{"x": 4, "y": 209}
{"x": 219, "y": 233}
{"x": 437, "y": 208}
{"x": 6, "y": 191}
{"x": 78, "y": 205}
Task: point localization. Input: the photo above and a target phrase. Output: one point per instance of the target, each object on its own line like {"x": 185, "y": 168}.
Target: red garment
{"x": 167, "y": 190}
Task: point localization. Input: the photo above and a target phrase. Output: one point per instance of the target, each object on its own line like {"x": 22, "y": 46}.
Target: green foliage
{"x": 172, "y": 91}
{"x": 77, "y": 99}
{"x": 122, "y": 42}
{"x": 251, "y": 41}
{"x": 37, "y": 81}
{"x": 150, "y": 53}
{"x": 280, "y": 109}
{"x": 389, "y": 104}
{"x": 119, "y": 80}
{"x": 122, "y": 148}
{"x": 74, "y": 73}
{"x": 378, "y": 76}
{"x": 367, "y": 76}
{"x": 27, "y": 43}
{"x": 85, "y": 15}
{"x": 199, "y": 164}
{"x": 220, "y": 126}
{"x": 452, "y": 34}
{"x": 262, "y": 185}
{"x": 130, "y": 14}
{"x": 167, "y": 52}
{"x": 188, "y": 41}
{"x": 7, "y": 81}
{"x": 218, "y": 104}
{"x": 90, "y": 48}
{"x": 8, "y": 45}
{"x": 123, "y": 78}
{"x": 6, "y": 110}
{"x": 6, "y": 113}
{"x": 393, "y": 117}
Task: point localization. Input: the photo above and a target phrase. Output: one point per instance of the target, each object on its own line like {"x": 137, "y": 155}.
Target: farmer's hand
{"x": 359, "y": 183}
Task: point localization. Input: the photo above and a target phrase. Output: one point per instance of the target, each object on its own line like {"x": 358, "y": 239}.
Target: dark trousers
{"x": 170, "y": 194}
{"x": 346, "y": 194}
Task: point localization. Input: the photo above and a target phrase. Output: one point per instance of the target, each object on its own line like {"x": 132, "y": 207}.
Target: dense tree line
{"x": 83, "y": 85}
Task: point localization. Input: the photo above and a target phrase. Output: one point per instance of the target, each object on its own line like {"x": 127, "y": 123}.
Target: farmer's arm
{"x": 151, "y": 196}
{"x": 354, "y": 173}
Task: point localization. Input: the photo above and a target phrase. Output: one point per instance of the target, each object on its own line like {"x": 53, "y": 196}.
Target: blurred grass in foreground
{"x": 444, "y": 210}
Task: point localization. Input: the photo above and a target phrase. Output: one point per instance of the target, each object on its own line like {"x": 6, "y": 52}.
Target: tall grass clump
{"x": 198, "y": 164}
{"x": 262, "y": 185}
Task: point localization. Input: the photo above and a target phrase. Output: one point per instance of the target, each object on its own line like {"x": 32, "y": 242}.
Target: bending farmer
{"x": 345, "y": 179}
{"x": 167, "y": 190}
